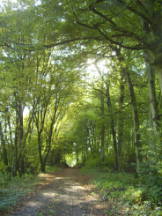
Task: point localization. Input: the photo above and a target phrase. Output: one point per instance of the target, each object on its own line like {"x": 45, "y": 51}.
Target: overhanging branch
{"x": 136, "y": 47}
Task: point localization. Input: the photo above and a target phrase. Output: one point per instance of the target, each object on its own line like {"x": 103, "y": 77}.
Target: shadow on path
{"x": 64, "y": 195}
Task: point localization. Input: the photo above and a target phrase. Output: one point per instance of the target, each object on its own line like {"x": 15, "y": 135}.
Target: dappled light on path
{"x": 64, "y": 194}
{"x": 34, "y": 204}
{"x": 49, "y": 194}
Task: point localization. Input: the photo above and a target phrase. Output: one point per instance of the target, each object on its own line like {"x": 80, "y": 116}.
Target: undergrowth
{"x": 52, "y": 169}
{"x": 123, "y": 193}
{"x": 14, "y": 188}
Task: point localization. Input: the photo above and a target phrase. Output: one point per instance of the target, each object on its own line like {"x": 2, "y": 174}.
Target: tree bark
{"x": 102, "y": 125}
{"x": 3, "y": 145}
{"x": 137, "y": 142}
{"x": 152, "y": 99}
{"x": 19, "y": 145}
{"x": 120, "y": 116}
{"x": 112, "y": 125}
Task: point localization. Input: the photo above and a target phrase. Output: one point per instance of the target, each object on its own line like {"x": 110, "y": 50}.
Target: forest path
{"x": 64, "y": 193}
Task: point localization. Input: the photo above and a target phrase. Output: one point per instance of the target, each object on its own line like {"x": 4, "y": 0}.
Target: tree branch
{"x": 142, "y": 5}
{"x": 136, "y": 12}
{"x": 70, "y": 41}
{"x": 118, "y": 28}
{"x": 31, "y": 47}
{"x": 93, "y": 9}
{"x": 136, "y": 47}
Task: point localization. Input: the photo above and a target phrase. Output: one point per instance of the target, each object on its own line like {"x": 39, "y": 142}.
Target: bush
{"x": 151, "y": 180}
{"x": 2, "y": 167}
{"x": 92, "y": 162}
{"x": 125, "y": 193}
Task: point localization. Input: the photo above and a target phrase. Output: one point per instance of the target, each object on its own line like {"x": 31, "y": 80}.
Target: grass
{"x": 122, "y": 193}
{"x": 14, "y": 188}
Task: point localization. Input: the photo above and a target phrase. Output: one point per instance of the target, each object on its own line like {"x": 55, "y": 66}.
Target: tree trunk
{"x": 102, "y": 126}
{"x": 3, "y": 145}
{"x": 43, "y": 167}
{"x": 137, "y": 142}
{"x": 112, "y": 125}
{"x": 120, "y": 116}
{"x": 154, "y": 117}
{"x": 159, "y": 74}
{"x": 19, "y": 132}
{"x": 154, "y": 114}
{"x": 21, "y": 142}
{"x": 39, "y": 140}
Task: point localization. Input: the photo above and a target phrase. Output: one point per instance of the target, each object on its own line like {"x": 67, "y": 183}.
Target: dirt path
{"x": 66, "y": 193}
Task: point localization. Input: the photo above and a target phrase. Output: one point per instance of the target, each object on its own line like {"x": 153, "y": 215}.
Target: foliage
{"x": 92, "y": 162}
{"x": 123, "y": 193}
{"x": 152, "y": 180}
{"x": 82, "y": 80}
{"x": 52, "y": 169}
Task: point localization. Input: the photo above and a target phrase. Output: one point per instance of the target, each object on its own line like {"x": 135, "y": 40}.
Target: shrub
{"x": 92, "y": 162}
{"x": 151, "y": 179}
{"x": 125, "y": 193}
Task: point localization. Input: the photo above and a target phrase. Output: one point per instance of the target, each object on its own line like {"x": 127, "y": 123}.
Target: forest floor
{"x": 63, "y": 193}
